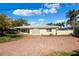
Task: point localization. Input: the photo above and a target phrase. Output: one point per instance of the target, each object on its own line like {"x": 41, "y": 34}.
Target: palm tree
{"x": 72, "y": 16}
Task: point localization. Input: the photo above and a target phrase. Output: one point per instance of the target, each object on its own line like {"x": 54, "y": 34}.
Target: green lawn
{"x": 9, "y": 37}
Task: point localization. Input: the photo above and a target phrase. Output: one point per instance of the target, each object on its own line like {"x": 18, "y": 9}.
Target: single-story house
{"x": 42, "y": 30}
{"x": 38, "y": 29}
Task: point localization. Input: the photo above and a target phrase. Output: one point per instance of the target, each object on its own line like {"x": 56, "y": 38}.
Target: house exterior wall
{"x": 54, "y": 32}
{"x": 64, "y": 32}
{"x": 43, "y": 32}
{"x": 30, "y": 32}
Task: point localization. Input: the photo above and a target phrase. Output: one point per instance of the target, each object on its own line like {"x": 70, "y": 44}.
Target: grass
{"x": 63, "y": 53}
{"x": 9, "y": 37}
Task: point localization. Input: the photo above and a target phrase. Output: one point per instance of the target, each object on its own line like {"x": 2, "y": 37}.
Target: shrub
{"x": 76, "y": 31}
{"x": 4, "y": 39}
{"x": 8, "y": 31}
{"x": 12, "y": 31}
{"x": 75, "y": 53}
{"x": 2, "y": 33}
{"x": 9, "y": 37}
{"x": 12, "y": 35}
{"x": 60, "y": 53}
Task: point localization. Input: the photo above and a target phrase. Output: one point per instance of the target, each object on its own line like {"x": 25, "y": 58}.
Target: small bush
{"x": 4, "y": 39}
{"x": 65, "y": 53}
{"x": 9, "y": 37}
{"x": 8, "y": 31}
{"x": 12, "y": 31}
{"x": 75, "y": 53}
{"x": 76, "y": 32}
{"x": 60, "y": 53}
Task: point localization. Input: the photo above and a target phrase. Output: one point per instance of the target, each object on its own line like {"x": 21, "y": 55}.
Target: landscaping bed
{"x": 9, "y": 37}
{"x": 65, "y": 53}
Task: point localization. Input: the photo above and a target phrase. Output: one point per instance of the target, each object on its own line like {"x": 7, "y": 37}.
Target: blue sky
{"x": 38, "y": 12}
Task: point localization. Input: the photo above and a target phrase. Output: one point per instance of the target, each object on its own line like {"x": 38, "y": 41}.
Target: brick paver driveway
{"x": 39, "y": 45}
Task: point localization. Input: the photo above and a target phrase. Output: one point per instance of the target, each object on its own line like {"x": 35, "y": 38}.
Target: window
{"x": 49, "y": 30}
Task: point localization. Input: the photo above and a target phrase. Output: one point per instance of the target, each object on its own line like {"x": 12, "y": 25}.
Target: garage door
{"x": 36, "y": 32}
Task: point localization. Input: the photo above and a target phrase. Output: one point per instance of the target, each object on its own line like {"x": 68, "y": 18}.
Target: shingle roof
{"x": 37, "y": 26}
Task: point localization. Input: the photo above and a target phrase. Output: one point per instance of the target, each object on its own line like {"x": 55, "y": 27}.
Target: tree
{"x": 57, "y": 24}
{"x": 61, "y": 24}
{"x": 72, "y": 16}
{"x": 50, "y": 24}
{"x": 5, "y": 22}
{"x": 19, "y": 22}
{"x": 77, "y": 23}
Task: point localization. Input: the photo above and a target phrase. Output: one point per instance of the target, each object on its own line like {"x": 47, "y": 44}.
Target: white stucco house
{"x": 38, "y": 29}
{"x": 42, "y": 30}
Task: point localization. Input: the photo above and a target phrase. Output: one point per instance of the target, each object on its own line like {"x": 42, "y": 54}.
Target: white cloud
{"x": 52, "y": 10}
{"x": 47, "y": 5}
{"x": 56, "y": 5}
{"x": 23, "y": 12}
{"x": 46, "y": 11}
{"x": 41, "y": 20}
{"x": 33, "y": 23}
{"x": 26, "y": 12}
{"x": 37, "y": 12}
{"x": 59, "y": 21}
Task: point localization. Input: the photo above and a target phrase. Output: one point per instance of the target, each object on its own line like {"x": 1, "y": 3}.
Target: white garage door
{"x": 36, "y": 32}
